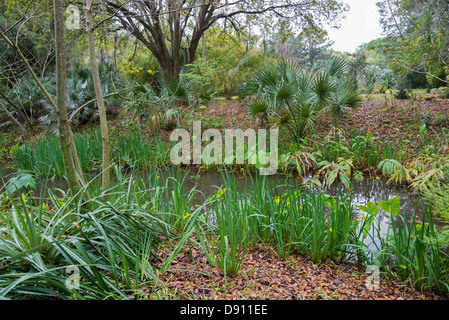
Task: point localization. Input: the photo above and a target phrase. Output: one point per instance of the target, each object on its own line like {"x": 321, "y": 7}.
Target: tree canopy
{"x": 172, "y": 30}
{"x": 420, "y": 33}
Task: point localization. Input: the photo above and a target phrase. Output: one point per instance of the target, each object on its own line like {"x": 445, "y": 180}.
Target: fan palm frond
{"x": 323, "y": 87}
{"x": 345, "y": 98}
{"x": 281, "y": 120}
{"x": 336, "y": 67}
{"x": 286, "y": 89}
{"x": 258, "y": 106}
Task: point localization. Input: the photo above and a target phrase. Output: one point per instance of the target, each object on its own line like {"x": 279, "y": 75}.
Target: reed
{"x": 419, "y": 255}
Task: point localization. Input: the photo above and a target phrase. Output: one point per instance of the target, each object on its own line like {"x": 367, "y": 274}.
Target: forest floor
{"x": 389, "y": 118}
{"x": 264, "y": 276}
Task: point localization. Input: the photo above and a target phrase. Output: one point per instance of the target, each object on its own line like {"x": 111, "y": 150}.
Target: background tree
{"x": 65, "y": 135}
{"x": 99, "y": 96}
{"x": 420, "y": 30}
{"x": 68, "y": 150}
{"x": 172, "y": 30}
{"x": 27, "y": 25}
{"x": 312, "y": 45}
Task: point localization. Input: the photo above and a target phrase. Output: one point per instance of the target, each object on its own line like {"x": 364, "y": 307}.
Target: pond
{"x": 370, "y": 189}
{"x": 207, "y": 183}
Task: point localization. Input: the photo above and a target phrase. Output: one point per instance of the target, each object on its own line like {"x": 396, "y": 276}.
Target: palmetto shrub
{"x": 80, "y": 91}
{"x": 288, "y": 96}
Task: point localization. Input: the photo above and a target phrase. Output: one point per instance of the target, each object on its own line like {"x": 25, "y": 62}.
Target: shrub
{"x": 293, "y": 98}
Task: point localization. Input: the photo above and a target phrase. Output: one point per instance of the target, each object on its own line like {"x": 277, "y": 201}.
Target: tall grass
{"x": 43, "y": 159}
{"x": 132, "y": 149}
{"x": 89, "y": 150}
{"x": 419, "y": 256}
{"x": 135, "y": 150}
{"x": 288, "y": 218}
{"x": 109, "y": 243}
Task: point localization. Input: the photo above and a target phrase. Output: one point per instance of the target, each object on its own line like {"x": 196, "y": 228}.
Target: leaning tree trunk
{"x": 105, "y": 177}
{"x": 65, "y": 130}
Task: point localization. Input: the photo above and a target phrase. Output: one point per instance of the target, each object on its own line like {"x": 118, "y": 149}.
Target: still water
{"x": 207, "y": 183}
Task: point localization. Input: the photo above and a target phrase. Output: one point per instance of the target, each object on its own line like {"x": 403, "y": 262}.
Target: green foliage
{"x": 437, "y": 195}
{"x": 110, "y": 244}
{"x": 342, "y": 169}
{"x": 43, "y": 159}
{"x": 24, "y": 180}
{"x": 420, "y": 257}
{"x": 132, "y": 149}
{"x": 285, "y": 217}
{"x": 393, "y": 169}
{"x": 28, "y": 96}
{"x": 401, "y": 94}
{"x": 201, "y": 77}
{"x": 80, "y": 91}
{"x": 419, "y": 42}
{"x": 293, "y": 99}
{"x": 32, "y": 36}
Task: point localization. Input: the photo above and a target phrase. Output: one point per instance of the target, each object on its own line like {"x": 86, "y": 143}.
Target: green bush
{"x": 293, "y": 99}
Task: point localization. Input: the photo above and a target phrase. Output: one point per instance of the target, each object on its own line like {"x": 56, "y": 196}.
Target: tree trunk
{"x": 105, "y": 177}
{"x": 65, "y": 130}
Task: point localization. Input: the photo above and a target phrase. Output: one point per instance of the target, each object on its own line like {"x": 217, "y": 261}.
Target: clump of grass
{"x": 108, "y": 244}
{"x": 135, "y": 150}
{"x": 419, "y": 254}
{"x": 43, "y": 159}
{"x": 225, "y": 240}
{"x": 89, "y": 149}
{"x": 289, "y": 219}
{"x": 132, "y": 149}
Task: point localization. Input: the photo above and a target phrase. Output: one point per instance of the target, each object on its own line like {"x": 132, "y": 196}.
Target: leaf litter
{"x": 265, "y": 276}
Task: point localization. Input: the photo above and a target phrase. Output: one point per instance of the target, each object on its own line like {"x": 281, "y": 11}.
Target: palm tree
{"x": 287, "y": 96}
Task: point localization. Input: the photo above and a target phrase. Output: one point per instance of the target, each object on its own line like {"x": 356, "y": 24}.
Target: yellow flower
{"x": 187, "y": 215}
{"x": 157, "y": 178}
{"x": 341, "y": 203}
{"x": 330, "y": 229}
{"x": 363, "y": 217}
{"x": 277, "y": 200}
{"x": 197, "y": 206}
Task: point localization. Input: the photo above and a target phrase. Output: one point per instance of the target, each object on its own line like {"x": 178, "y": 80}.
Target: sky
{"x": 360, "y": 26}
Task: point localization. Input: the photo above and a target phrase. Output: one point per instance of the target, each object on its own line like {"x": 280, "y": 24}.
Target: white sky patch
{"x": 360, "y": 26}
